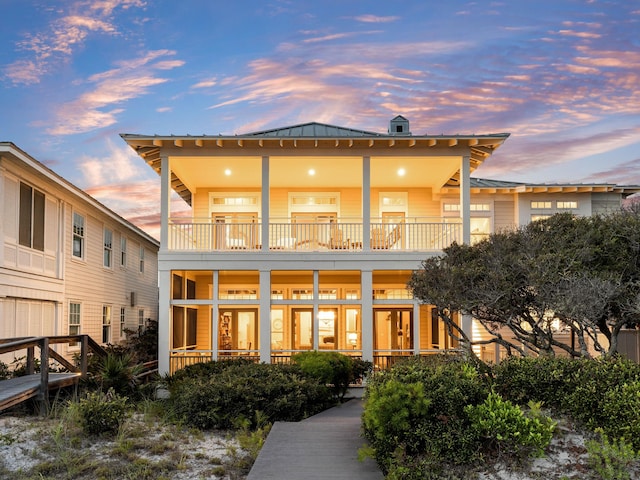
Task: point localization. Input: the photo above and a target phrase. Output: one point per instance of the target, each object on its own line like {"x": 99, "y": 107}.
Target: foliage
{"x": 414, "y": 413}
{"x": 116, "y": 371}
{"x": 621, "y": 410}
{"x": 504, "y": 426}
{"x": 101, "y": 413}
{"x": 328, "y": 368}
{"x": 4, "y": 371}
{"x": 611, "y": 459}
{"x": 565, "y": 274}
{"x": 217, "y": 394}
{"x": 143, "y": 343}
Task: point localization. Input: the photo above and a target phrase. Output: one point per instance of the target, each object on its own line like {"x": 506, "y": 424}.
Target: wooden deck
{"x": 16, "y": 390}
{"x": 37, "y": 385}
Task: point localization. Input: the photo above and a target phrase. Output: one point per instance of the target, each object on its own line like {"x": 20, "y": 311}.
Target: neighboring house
{"x": 68, "y": 264}
{"x": 304, "y": 237}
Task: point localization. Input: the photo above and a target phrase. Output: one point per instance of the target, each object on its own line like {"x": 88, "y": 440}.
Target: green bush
{"x": 504, "y": 426}
{"x": 620, "y": 413}
{"x": 543, "y": 379}
{"x": 102, "y": 413}
{"x": 610, "y": 459}
{"x": 217, "y": 394}
{"x": 328, "y": 368}
{"x": 432, "y": 394}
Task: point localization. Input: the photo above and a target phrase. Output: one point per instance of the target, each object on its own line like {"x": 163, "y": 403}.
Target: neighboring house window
{"x": 108, "y": 247}
{"x": 480, "y": 207}
{"x": 123, "y": 317}
{"x": 78, "y": 235}
{"x": 106, "y": 324}
{"x": 567, "y": 205}
{"x": 123, "y": 251}
{"x": 141, "y": 259}
{"x": 141, "y": 320}
{"x": 538, "y": 205}
{"x": 74, "y": 319}
{"x": 31, "y": 230}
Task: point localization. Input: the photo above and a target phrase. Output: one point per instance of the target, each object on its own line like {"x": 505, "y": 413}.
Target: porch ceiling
{"x": 329, "y": 172}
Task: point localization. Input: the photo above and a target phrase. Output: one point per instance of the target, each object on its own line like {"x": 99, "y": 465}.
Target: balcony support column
{"x": 316, "y": 310}
{"x": 165, "y": 200}
{"x": 416, "y": 328}
{"x": 265, "y": 314}
{"x": 366, "y": 204}
{"x": 215, "y": 314}
{"x": 164, "y": 318}
{"x": 465, "y": 198}
{"x": 265, "y": 207}
{"x": 366, "y": 280}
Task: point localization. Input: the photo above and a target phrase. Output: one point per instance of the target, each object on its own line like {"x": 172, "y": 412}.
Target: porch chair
{"x": 336, "y": 241}
{"x": 381, "y": 241}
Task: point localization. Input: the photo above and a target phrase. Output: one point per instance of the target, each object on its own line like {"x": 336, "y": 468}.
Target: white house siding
{"x": 36, "y": 287}
{"x": 504, "y": 215}
{"x": 605, "y": 202}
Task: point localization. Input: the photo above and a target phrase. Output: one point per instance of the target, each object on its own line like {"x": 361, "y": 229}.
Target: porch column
{"x": 165, "y": 201}
{"x": 366, "y": 204}
{"x": 164, "y": 319}
{"x": 215, "y": 315}
{"x": 366, "y": 285}
{"x": 465, "y": 198}
{"x": 265, "y": 315}
{"x": 264, "y": 226}
{"x": 316, "y": 314}
{"x": 466, "y": 322}
{"x": 416, "y": 328}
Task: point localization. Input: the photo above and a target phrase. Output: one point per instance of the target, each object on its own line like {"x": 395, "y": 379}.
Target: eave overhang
{"x": 150, "y": 148}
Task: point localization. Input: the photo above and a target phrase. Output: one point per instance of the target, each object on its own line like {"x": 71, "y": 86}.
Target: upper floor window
{"x": 31, "y": 230}
{"x": 567, "y": 205}
{"x": 480, "y": 207}
{"x": 123, "y": 251}
{"x": 78, "y": 235}
{"x": 539, "y": 205}
{"x": 451, "y": 207}
{"x": 234, "y": 201}
{"x": 141, "y": 268}
{"x": 108, "y": 247}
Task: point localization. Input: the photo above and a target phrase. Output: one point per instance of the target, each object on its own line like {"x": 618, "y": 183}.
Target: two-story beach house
{"x": 68, "y": 264}
{"x": 304, "y": 237}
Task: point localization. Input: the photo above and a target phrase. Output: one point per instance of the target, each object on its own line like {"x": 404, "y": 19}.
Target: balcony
{"x": 287, "y": 235}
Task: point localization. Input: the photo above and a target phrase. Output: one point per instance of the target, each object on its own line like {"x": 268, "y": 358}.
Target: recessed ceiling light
{"x": 312, "y": 172}
{"x": 227, "y": 172}
{"x": 401, "y": 172}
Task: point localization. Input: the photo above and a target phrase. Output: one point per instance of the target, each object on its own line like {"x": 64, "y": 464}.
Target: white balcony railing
{"x": 413, "y": 234}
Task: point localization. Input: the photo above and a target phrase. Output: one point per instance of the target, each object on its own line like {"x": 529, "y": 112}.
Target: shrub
{"x": 504, "y": 426}
{"x": 543, "y": 379}
{"x": 328, "y": 368}
{"x": 217, "y": 394}
{"x": 610, "y": 459}
{"x": 102, "y": 413}
{"x": 439, "y": 428}
{"x": 620, "y": 413}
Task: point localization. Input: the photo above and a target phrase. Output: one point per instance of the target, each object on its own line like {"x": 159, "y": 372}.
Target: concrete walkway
{"x": 322, "y": 447}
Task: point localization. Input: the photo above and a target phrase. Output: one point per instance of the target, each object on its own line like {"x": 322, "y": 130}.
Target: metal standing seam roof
{"x": 312, "y": 130}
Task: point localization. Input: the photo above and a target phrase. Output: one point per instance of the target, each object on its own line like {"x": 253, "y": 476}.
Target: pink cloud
{"x": 368, "y": 18}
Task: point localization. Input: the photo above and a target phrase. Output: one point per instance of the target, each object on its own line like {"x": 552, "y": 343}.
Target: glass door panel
{"x": 302, "y": 329}
{"x": 393, "y": 329}
{"x": 327, "y": 323}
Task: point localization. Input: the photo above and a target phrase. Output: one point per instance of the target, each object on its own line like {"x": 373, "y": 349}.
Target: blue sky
{"x": 562, "y": 76}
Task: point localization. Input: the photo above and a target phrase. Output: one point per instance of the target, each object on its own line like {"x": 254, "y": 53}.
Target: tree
{"x": 562, "y": 275}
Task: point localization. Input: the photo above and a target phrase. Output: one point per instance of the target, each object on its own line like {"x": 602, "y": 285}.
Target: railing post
{"x": 44, "y": 375}
{"x": 84, "y": 348}
{"x": 30, "y": 366}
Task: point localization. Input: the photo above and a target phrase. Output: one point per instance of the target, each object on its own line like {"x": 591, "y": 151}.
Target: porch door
{"x": 313, "y": 228}
{"x": 238, "y": 329}
{"x": 394, "y": 228}
{"x": 235, "y": 230}
{"x": 302, "y": 329}
{"x": 393, "y": 329}
{"x": 327, "y": 328}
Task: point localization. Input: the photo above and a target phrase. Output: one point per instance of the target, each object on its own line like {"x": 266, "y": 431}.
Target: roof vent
{"x": 399, "y": 126}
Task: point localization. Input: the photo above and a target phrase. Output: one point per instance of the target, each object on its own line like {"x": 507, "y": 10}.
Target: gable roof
{"x": 312, "y": 130}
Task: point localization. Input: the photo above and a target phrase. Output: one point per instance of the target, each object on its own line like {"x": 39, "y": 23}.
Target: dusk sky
{"x": 562, "y": 76}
